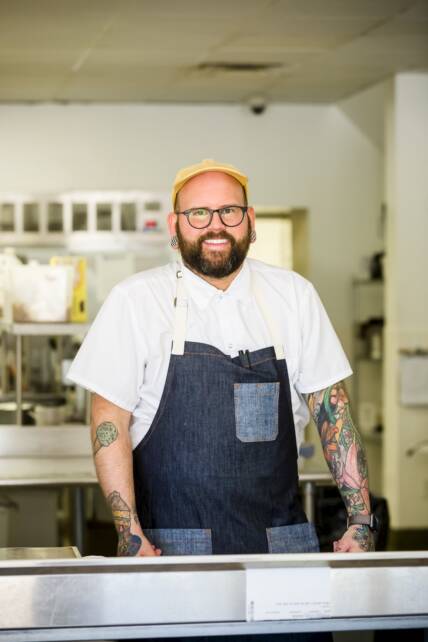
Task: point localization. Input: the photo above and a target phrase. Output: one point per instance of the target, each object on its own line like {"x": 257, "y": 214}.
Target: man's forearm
{"x": 342, "y": 446}
{"x": 343, "y": 451}
{"x": 113, "y": 463}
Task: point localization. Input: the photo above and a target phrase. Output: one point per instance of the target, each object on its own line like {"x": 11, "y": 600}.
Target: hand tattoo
{"x": 106, "y": 434}
{"x": 128, "y": 544}
{"x": 364, "y": 537}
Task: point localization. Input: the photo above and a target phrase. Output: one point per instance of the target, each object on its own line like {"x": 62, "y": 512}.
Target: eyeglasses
{"x": 200, "y": 217}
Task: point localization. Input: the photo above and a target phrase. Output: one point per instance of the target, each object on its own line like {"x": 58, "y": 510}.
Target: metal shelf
{"x": 20, "y": 330}
{"x": 43, "y": 329}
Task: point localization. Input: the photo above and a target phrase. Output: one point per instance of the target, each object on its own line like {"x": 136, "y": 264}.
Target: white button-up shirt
{"x": 125, "y": 355}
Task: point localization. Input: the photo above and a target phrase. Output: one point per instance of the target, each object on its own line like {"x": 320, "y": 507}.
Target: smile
{"x": 216, "y": 242}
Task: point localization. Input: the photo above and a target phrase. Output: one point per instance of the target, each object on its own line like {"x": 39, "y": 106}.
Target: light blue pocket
{"x": 256, "y": 411}
{"x": 294, "y": 538}
{"x": 181, "y": 541}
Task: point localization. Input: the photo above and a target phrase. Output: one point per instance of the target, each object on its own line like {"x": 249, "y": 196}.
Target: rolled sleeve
{"x": 322, "y": 361}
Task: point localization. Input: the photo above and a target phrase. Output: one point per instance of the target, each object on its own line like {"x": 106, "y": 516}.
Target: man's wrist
{"x": 360, "y": 519}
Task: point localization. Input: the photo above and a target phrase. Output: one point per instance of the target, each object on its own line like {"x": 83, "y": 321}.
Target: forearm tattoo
{"x": 128, "y": 543}
{"x": 342, "y": 446}
{"x": 105, "y": 434}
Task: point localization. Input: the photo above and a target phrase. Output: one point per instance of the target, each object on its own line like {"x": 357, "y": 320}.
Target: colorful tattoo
{"x": 106, "y": 434}
{"x": 342, "y": 446}
{"x": 128, "y": 544}
{"x": 364, "y": 537}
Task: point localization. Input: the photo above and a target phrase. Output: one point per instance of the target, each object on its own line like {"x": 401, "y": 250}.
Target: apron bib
{"x": 217, "y": 471}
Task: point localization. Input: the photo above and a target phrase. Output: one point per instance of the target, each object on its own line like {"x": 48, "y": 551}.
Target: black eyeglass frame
{"x": 187, "y": 213}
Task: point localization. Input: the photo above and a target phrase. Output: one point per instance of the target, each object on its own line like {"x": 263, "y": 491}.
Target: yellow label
{"x": 79, "y": 302}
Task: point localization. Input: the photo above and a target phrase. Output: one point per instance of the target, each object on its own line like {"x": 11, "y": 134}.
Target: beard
{"x": 218, "y": 264}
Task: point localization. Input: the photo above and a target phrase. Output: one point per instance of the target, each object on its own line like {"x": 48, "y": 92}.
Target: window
{"x": 80, "y": 217}
{"x": 55, "y": 222}
{"x": 7, "y": 223}
{"x": 31, "y": 217}
{"x": 128, "y": 217}
{"x": 104, "y": 218}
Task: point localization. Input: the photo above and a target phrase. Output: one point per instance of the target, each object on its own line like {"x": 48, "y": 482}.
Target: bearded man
{"x": 205, "y": 372}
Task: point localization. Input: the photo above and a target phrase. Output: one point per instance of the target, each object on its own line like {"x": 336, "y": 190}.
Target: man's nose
{"x": 216, "y": 222}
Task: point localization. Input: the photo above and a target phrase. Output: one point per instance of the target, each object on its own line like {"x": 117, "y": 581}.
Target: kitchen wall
{"x": 318, "y": 157}
{"x": 406, "y": 477}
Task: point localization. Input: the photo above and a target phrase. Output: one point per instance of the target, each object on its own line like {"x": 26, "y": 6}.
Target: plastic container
{"x": 8, "y": 260}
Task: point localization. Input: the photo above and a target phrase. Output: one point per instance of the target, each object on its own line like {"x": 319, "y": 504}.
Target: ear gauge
{"x": 253, "y": 236}
{"x": 174, "y": 242}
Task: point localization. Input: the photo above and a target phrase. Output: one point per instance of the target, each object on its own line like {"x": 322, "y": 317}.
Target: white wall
{"x": 406, "y": 478}
{"x": 311, "y": 156}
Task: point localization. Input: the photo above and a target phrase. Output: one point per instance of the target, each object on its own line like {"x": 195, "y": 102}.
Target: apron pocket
{"x": 293, "y": 538}
{"x": 256, "y": 411}
{"x": 181, "y": 541}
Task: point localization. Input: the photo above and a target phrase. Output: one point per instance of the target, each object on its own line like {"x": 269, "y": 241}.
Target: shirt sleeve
{"x": 111, "y": 359}
{"x": 322, "y": 361}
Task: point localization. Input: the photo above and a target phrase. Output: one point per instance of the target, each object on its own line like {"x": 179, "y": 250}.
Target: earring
{"x": 174, "y": 242}
{"x": 253, "y": 236}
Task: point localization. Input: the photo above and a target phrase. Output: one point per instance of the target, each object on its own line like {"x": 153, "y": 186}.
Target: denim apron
{"x": 217, "y": 471}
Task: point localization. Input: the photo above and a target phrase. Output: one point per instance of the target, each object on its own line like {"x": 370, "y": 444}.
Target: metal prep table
{"x": 61, "y": 456}
{"x": 51, "y": 457}
{"x": 124, "y": 598}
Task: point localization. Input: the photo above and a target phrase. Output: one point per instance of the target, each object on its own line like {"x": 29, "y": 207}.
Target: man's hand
{"x": 136, "y": 545}
{"x": 131, "y": 540}
{"x": 357, "y": 539}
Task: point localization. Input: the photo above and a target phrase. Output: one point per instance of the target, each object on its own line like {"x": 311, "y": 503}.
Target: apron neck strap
{"x": 180, "y": 316}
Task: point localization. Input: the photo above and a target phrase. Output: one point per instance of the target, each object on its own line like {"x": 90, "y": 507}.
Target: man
{"x": 202, "y": 373}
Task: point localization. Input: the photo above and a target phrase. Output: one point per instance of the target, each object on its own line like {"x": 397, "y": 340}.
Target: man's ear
{"x": 252, "y": 216}
{"x": 172, "y": 223}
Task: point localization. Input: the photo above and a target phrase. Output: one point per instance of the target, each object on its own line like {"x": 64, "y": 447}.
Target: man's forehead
{"x": 211, "y": 184}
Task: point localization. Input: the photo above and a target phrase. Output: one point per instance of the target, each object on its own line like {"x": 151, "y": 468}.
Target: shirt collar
{"x": 203, "y": 293}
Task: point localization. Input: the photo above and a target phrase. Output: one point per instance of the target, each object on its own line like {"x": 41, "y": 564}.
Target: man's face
{"x": 215, "y": 251}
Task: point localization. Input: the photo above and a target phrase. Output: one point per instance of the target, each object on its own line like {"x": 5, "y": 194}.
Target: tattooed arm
{"x": 345, "y": 456}
{"x": 113, "y": 463}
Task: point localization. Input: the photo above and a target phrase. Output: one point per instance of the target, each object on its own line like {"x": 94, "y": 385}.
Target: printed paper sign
{"x": 288, "y": 593}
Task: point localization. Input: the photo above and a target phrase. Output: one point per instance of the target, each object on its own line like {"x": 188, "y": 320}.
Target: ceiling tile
{"x": 141, "y": 50}
{"x": 377, "y": 9}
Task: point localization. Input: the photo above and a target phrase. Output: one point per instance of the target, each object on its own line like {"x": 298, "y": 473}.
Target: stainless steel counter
{"x": 39, "y": 553}
{"x": 122, "y": 598}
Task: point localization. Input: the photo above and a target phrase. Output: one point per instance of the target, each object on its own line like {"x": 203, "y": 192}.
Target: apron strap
{"x": 274, "y": 332}
{"x": 180, "y": 316}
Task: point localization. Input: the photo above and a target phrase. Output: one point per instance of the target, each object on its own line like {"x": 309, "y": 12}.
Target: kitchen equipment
{"x": 52, "y": 412}
{"x": 49, "y": 415}
{"x": 41, "y": 293}
{"x": 79, "y": 302}
{"x": 8, "y": 413}
{"x": 208, "y": 595}
{"x": 8, "y": 260}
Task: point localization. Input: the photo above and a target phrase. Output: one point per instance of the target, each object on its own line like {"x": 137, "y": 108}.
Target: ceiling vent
{"x": 239, "y": 67}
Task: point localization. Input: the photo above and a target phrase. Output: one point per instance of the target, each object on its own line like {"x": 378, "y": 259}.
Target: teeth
{"x": 216, "y": 241}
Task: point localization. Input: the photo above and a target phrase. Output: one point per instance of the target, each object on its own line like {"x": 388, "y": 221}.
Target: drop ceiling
{"x": 206, "y": 50}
